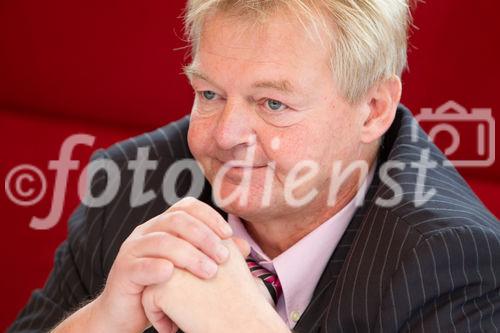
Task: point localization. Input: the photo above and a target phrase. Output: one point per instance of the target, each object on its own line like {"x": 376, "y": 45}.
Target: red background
{"x": 112, "y": 68}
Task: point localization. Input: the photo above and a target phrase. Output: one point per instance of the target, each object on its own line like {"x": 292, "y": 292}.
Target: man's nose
{"x": 234, "y": 126}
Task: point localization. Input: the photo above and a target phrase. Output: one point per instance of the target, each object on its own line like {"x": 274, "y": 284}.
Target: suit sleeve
{"x": 76, "y": 276}
{"x": 450, "y": 282}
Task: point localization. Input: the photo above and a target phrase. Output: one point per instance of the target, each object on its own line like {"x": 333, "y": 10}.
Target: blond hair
{"x": 369, "y": 37}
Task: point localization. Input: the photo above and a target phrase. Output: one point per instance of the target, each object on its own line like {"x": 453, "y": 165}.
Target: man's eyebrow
{"x": 280, "y": 85}
{"x": 190, "y": 71}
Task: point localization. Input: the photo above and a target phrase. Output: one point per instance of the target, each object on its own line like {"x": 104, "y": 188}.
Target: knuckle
{"x": 201, "y": 236}
{"x": 126, "y": 246}
{"x": 177, "y": 216}
{"x": 143, "y": 266}
{"x": 185, "y": 202}
{"x": 161, "y": 240}
{"x": 179, "y": 221}
{"x": 180, "y": 259}
{"x": 187, "y": 257}
{"x": 192, "y": 229}
{"x": 206, "y": 239}
{"x": 203, "y": 265}
{"x": 189, "y": 200}
{"x": 149, "y": 267}
{"x": 197, "y": 262}
{"x": 142, "y": 226}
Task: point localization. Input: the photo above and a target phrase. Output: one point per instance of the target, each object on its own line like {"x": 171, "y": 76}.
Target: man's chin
{"x": 243, "y": 205}
{"x": 239, "y": 207}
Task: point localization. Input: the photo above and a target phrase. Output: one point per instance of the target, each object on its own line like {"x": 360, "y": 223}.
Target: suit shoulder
{"x": 427, "y": 192}
{"x": 441, "y": 207}
{"x": 166, "y": 142}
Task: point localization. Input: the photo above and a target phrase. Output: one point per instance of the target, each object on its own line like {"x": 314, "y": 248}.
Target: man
{"x": 295, "y": 123}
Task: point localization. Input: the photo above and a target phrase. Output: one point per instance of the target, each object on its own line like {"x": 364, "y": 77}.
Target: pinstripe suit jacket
{"x": 432, "y": 267}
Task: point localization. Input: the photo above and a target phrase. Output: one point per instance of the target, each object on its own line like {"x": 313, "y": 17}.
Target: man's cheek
{"x": 205, "y": 165}
{"x": 197, "y": 135}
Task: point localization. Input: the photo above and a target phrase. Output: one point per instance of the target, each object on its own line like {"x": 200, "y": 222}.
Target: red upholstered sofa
{"x": 111, "y": 69}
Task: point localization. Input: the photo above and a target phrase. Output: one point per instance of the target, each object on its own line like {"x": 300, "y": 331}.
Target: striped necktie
{"x": 270, "y": 280}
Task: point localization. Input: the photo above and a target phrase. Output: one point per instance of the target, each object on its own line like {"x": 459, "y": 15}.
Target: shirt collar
{"x": 299, "y": 268}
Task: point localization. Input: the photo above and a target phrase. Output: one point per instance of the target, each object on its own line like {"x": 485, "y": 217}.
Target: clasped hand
{"x": 232, "y": 301}
{"x": 182, "y": 269}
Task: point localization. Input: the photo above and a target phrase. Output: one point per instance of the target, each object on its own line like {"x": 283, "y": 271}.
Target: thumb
{"x": 242, "y": 245}
{"x": 158, "y": 319}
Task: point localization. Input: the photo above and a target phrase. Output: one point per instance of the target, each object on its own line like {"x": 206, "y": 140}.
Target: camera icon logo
{"x": 466, "y": 138}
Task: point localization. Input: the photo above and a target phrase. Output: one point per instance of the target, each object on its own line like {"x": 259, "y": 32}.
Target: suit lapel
{"x": 311, "y": 319}
{"x": 328, "y": 287}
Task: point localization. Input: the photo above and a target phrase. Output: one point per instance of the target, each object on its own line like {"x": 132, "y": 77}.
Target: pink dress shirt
{"x": 299, "y": 268}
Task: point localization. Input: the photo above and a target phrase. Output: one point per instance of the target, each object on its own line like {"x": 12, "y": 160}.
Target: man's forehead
{"x": 264, "y": 40}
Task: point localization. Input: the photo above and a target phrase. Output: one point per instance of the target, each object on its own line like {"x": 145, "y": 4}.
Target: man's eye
{"x": 208, "y": 95}
{"x": 275, "y": 105}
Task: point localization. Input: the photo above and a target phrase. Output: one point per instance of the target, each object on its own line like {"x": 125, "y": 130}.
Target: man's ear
{"x": 382, "y": 102}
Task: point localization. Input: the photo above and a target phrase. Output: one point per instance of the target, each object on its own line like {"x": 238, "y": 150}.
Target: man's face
{"x": 268, "y": 90}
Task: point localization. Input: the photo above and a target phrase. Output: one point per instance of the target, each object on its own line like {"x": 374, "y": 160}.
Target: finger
{"x": 179, "y": 252}
{"x": 242, "y": 245}
{"x": 263, "y": 290}
{"x": 155, "y": 315}
{"x": 204, "y": 212}
{"x": 148, "y": 271}
{"x": 194, "y": 231}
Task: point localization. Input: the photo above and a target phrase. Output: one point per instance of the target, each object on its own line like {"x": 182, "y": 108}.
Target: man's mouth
{"x": 238, "y": 164}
